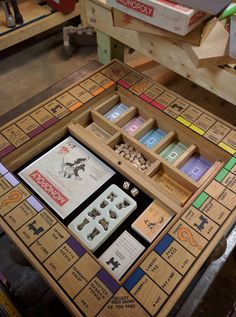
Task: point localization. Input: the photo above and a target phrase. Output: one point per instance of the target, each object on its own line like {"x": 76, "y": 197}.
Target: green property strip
{"x": 230, "y": 163}
{"x": 221, "y": 175}
{"x": 200, "y": 200}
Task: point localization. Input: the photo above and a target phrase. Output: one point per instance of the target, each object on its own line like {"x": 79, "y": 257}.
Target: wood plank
{"x": 30, "y": 30}
{"x": 167, "y": 53}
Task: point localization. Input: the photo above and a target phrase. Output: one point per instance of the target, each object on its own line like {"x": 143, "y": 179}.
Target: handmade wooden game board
{"x": 187, "y": 216}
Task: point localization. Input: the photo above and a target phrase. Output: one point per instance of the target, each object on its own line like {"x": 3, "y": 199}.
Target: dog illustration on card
{"x": 72, "y": 170}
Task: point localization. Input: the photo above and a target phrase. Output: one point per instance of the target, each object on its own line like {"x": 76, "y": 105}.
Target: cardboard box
{"x": 126, "y": 21}
{"x": 162, "y": 13}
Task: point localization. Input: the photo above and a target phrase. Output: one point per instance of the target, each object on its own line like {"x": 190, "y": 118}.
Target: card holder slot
{"x": 154, "y": 168}
{"x": 95, "y": 129}
{"x": 197, "y": 166}
{"x": 185, "y": 156}
{"x": 131, "y": 113}
{"x": 146, "y": 127}
{"x": 108, "y": 104}
{"x": 170, "y": 137}
{"x": 101, "y": 121}
{"x": 213, "y": 171}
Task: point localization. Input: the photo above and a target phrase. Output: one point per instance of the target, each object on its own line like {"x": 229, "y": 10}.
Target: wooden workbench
{"x": 159, "y": 277}
{"x": 37, "y": 19}
{"x": 219, "y": 80}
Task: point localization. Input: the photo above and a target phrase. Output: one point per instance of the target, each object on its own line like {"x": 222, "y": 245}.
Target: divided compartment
{"x": 172, "y": 184}
{"x": 151, "y": 135}
{"x": 95, "y": 124}
{"x": 101, "y": 218}
{"x": 133, "y": 152}
{"x": 105, "y": 109}
{"x": 171, "y": 149}
{"x": 197, "y": 166}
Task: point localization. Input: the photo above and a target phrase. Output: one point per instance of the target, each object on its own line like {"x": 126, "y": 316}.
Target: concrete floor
{"x": 35, "y": 68}
{"x": 32, "y": 70}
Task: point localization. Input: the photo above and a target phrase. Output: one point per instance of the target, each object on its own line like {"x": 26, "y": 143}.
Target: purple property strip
{"x": 11, "y": 179}
{"x": 108, "y": 281}
{"x": 34, "y": 203}
{"x": 76, "y": 246}
{"x": 36, "y": 131}
{"x": 10, "y": 148}
{"x": 50, "y": 122}
{"x": 3, "y": 169}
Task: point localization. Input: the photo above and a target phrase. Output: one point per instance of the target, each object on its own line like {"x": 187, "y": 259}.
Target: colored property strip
{"x": 82, "y": 278}
{"x": 51, "y": 112}
{"x": 154, "y": 94}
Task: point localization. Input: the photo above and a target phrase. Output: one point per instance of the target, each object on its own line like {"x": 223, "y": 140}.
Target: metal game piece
{"x": 104, "y": 223}
{"x": 94, "y": 213}
{"x": 112, "y": 214}
{"x": 92, "y": 235}
{"x": 111, "y": 196}
{"x": 104, "y": 204}
{"x": 85, "y": 222}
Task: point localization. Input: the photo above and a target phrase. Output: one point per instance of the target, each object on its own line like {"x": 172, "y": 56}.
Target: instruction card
{"x": 121, "y": 254}
{"x": 66, "y": 176}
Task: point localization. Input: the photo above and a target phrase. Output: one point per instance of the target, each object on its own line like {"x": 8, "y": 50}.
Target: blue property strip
{"x": 76, "y": 246}
{"x": 108, "y": 281}
{"x": 163, "y": 244}
{"x": 3, "y": 169}
{"x": 11, "y": 179}
{"x": 133, "y": 279}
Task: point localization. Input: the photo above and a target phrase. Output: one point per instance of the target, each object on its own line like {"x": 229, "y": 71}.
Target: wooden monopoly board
{"x": 196, "y": 213}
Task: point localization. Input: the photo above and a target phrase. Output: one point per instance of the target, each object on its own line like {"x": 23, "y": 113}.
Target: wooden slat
{"x": 167, "y": 53}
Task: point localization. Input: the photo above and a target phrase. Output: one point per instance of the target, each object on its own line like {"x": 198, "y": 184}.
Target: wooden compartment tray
{"x": 197, "y": 212}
